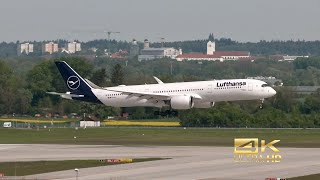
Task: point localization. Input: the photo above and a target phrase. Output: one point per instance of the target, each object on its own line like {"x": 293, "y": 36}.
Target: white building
{"x": 73, "y": 47}
{"x": 149, "y": 53}
{"x": 199, "y": 57}
{"x": 50, "y": 48}
{"x": 89, "y": 123}
{"x": 213, "y": 55}
{"x": 292, "y": 58}
{"x": 25, "y": 48}
{"x": 146, "y": 44}
{"x": 134, "y": 48}
{"x": 157, "y": 53}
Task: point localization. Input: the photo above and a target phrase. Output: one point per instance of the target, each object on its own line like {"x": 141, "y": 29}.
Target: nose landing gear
{"x": 261, "y": 105}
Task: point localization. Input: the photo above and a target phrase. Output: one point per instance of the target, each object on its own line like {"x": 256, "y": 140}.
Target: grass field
{"x": 37, "y": 167}
{"x": 35, "y": 120}
{"x": 159, "y": 136}
{"x": 163, "y": 122}
{"x": 140, "y": 123}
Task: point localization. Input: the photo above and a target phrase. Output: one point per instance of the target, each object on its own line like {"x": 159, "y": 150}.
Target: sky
{"x": 174, "y": 20}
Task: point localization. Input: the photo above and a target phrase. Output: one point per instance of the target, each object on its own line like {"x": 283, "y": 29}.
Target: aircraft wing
{"x": 65, "y": 95}
{"x": 149, "y": 95}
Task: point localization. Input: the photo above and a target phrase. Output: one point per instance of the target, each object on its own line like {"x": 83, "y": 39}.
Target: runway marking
{"x": 188, "y": 162}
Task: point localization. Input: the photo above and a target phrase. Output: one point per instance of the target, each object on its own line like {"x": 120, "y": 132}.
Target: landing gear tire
{"x": 261, "y": 105}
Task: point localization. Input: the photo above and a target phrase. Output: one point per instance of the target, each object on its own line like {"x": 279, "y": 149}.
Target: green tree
{"x": 223, "y": 115}
{"x": 99, "y": 77}
{"x": 24, "y": 98}
{"x": 117, "y": 76}
{"x": 284, "y": 99}
{"x": 312, "y": 104}
{"x": 9, "y": 83}
{"x": 40, "y": 81}
{"x": 99, "y": 111}
{"x": 45, "y": 77}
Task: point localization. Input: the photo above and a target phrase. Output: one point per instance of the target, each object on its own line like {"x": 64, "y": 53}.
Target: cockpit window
{"x": 264, "y": 85}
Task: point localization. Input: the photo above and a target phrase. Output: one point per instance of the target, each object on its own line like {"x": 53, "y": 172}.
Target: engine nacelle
{"x": 181, "y": 102}
{"x": 203, "y": 105}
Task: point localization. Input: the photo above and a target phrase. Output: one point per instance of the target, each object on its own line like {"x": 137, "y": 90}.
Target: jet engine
{"x": 181, "y": 102}
{"x": 203, "y": 105}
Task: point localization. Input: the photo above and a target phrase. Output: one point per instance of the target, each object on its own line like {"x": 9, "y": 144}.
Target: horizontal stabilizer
{"x": 66, "y": 95}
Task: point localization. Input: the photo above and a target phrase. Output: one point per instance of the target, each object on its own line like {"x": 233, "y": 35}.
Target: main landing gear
{"x": 261, "y": 105}
{"x": 166, "y": 113}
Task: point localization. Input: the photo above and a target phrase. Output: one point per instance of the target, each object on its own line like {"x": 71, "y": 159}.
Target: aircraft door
{"x": 209, "y": 88}
{"x": 250, "y": 87}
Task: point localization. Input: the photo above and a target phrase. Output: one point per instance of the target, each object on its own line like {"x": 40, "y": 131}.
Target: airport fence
{"x": 39, "y": 124}
{"x": 47, "y": 123}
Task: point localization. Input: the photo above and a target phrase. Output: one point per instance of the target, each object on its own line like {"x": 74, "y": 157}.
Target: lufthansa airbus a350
{"x": 180, "y": 95}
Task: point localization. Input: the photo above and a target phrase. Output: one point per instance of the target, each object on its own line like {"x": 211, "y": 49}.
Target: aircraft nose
{"x": 273, "y": 92}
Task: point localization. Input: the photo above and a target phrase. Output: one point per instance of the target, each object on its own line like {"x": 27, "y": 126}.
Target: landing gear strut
{"x": 261, "y": 105}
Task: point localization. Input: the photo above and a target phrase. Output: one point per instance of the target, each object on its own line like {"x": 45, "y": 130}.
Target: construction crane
{"x": 111, "y": 32}
{"x": 94, "y": 32}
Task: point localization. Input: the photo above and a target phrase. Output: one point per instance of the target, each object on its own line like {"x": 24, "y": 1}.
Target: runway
{"x": 187, "y": 162}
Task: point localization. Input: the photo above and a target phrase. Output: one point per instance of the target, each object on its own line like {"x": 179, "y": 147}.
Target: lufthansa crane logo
{"x": 73, "y": 82}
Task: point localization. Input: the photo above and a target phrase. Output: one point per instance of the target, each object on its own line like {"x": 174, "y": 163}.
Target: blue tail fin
{"x": 75, "y": 83}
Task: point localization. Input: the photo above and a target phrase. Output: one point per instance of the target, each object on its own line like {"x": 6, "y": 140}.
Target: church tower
{"x": 211, "y": 47}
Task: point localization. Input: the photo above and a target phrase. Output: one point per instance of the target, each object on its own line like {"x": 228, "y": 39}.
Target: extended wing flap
{"x": 143, "y": 95}
{"x": 151, "y": 96}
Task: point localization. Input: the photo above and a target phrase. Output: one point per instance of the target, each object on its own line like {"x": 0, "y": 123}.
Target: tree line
{"x": 263, "y": 47}
{"x": 25, "y": 81}
{"x": 284, "y": 110}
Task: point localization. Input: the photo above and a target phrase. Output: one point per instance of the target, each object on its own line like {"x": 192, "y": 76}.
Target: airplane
{"x": 176, "y": 96}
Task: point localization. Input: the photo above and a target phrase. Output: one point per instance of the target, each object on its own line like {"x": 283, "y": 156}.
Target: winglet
{"x": 158, "y": 80}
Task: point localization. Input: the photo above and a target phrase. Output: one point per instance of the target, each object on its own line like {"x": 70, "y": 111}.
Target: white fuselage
{"x": 205, "y": 91}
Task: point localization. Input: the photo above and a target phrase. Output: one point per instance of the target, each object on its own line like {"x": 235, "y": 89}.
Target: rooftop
{"x": 197, "y": 55}
{"x": 231, "y": 53}
{"x": 217, "y": 54}
{"x": 156, "y": 49}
